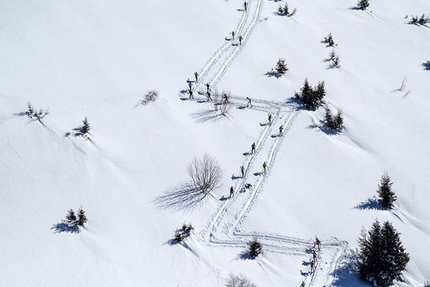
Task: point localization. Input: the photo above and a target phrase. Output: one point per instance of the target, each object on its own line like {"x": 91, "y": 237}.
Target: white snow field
{"x": 97, "y": 59}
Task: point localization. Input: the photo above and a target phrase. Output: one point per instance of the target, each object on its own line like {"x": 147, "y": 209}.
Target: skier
{"x": 232, "y": 34}
{"x": 208, "y": 87}
{"x": 253, "y": 148}
{"x": 196, "y": 75}
{"x": 248, "y": 185}
{"x": 314, "y": 256}
{"x": 249, "y": 102}
{"x": 208, "y": 96}
{"x": 312, "y": 266}
{"x": 244, "y": 5}
{"x": 264, "y": 167}
{"x": 191, "y": 94}
{"x": 240, "y": 40}
{"x": 190, "y": 85}
{"x": 303, "y": 284}
{"x": 225, "y": 99}
{"x": 231, "y": 192}
{"x": 317, "y": 243}
{"x": 270, "y": 119}
{"x": 242, "y": 170}
{"x": 280, "y": 130}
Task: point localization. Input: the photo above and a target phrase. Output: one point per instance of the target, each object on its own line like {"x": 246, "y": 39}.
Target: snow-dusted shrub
{"x": 281, "y": 67}
{"x": 329, "y": 40}
{"x": 363, "y": 4}
{"x": 239, "y": 281}
{"x": 74, "y": 220}
{"x": 34, "y": 114}
{"x": 283, "y": 10}
{"x": 205, "y": 174}
{"x": 151, "y": 96}
{"x": 333, "y": 122}
{"x": 183, "y": 233}
{"x": 255, "y": 247}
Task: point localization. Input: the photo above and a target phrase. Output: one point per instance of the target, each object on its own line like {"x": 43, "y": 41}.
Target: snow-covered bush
{"x": 239, "y": 281}
{"x": 34, "y": 114}
{"x": 183, "y": 233}
{"x": 255, "y": 247}
{"x": 151, "y": 96}
{"x": 363, "y": 4}
{"x": 329, "y": 40}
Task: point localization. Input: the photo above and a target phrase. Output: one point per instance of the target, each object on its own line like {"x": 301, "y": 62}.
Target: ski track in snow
{"x": 224, "y": 227}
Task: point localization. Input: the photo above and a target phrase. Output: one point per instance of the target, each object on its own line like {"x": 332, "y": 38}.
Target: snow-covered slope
{"x": 98, "y": 59}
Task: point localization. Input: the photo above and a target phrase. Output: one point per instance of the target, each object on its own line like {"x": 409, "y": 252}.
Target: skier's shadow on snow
{"x": 208, "y": 115}
{"x": 224, "y": 198}
{"x": 183, "y": 197}
{"x": 426, "y": 66}
{"x": 64, "y": 227}
{"x": 257, "y": 173}
{"x": 241, "y": 107}
{"x": 246, "y": 153}
{"x": 233, "y": 177}
{"x": 370, "y": 203}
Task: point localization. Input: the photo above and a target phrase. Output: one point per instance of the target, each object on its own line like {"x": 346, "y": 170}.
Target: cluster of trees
{"x": 335, "y": 61}
{"x": 183, "y": 233}
{"x": 333, "y": 122}
{"x": 312, "y": 97}
{"x": 35, "y": 114}
{"x": 284, "y": 11}
{"x": 420, "y": 20}
{"x": 382, "y": 257}
{"x": 76, "y": 220}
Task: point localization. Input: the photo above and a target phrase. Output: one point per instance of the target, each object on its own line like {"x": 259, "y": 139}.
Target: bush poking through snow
{"x": 283, "y": 10}
{"x": 238, "y": 281}
{"x": 83, "y": 130}
{"x": 386, "y": 195}
{"x": 73, "y": 220}
{"x": 151, "y": 96}
{"x": 34, "y": 114}
{"x": 363, "y": 4}
{"x": 329, "y": 40}
{"x": 281, "y": 68}
{"x": 421, "y": 21}
{"x": 255, "y": 247}
{"x": 382, "y": 257}
{"x": 205, "y": 174}
{"x": 183, "y": 233}
{"x": 427, "y": 284}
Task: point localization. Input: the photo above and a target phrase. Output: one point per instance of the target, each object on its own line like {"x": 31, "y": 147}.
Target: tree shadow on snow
{"x": 183, "y": 198}
{"x": 245, "y": 255}
{"x": 64, "y": 227}
{"x": 370, "y": 203}
{"x": 273, "y": 74}
{"x": 345, "y": 275}
{"x": 426, "y": 66}
{"x": 208, "y": 115}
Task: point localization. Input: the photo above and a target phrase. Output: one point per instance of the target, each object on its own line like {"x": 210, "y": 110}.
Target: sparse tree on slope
{"x": 363, "y": 4}
{"x": 281, "y": 67}
{"x": 385, "y": 192}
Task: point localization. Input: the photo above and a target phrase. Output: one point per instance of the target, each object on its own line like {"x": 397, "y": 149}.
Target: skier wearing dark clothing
{"x": 208, "y": 87}
{"x": 240, "y": 40}
{"x": 244, "y": 5}
{"x": 208, "y": 96}
{"x": 232, "y": 35}
{"x": 253, "y": 148}
{"x": 249, "y": 102}
{"x": 190, "y": 85}
{"x": 264, "y": 167}
{"x": 225, "y": 97}
{"x": 270, "y": 119}
{"x": 280, "y": 130}
{"x": 196, "y": 75}
{"x": 191, "y": 94}
{"x": 242, "y": 170}
{"x": 231, "y": 192}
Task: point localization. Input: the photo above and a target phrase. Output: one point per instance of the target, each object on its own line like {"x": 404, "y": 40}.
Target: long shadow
{"x": 345, "y": 275}
{"x": 64, "y": 227}
{"x": 426, "y": 66}
{"x": 245, "y": 256}
{"x": 208, "y": 115}
{"x": 183, "y": 198}
{"x": 370, "y": 203}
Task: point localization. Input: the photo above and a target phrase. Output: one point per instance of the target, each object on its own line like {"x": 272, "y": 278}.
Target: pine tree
{"x": 281, "y": 67}
{"x": 363, "y": 4}
{"x": 71, "y": 217}
{"x": 82, "y": 218}
{"x": 328, "y": 118}
{"x": 338, "y": 121}
{"x": 286, "y": 11}
{"x": 382, "y": 257}
{"x": 329, "y": 40}
{"x": 254, "y": 247}
{"x": 85, "y": 128}
{"x": 384, "y": 191}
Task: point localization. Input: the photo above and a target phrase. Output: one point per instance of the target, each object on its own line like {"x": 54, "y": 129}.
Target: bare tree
{"x": 205, "y": 174}
{"x": 239, "y": 281}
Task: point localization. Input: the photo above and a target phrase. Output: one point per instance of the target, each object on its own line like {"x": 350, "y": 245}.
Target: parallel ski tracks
{"x": 224, "y": 227}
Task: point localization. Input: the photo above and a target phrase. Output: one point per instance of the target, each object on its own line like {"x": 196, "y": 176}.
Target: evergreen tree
{"x": 82, "y": 218}
{"x": 286, "y": 11}
{"x": 328, "y": 118}
{"x": 85, "y": 128}
{"x": 384, "y": 191}
{"x": 363, "y": 4}
{"x": 281, "y": 67}
{"x": 329, "y": 40}
{"x": 254, "y": 247}
{"x": 338, "y": 121}
{"x": 71, "y": 217}
{"x": 312, "y": 98}
{"x": 382, "y": 257}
